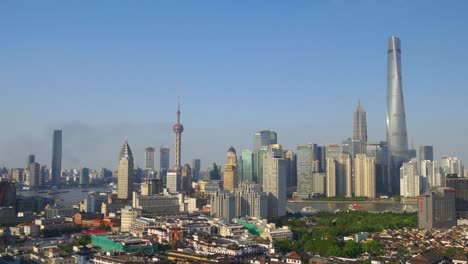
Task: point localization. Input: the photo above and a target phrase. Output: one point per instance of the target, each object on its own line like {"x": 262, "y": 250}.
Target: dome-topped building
{"x": 231, "y": 149}
{"x": 230, "y": 170}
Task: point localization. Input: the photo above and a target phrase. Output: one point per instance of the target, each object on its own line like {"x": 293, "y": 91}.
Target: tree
{"x": 372, "y": 246}
{"x": 352, "y": 249}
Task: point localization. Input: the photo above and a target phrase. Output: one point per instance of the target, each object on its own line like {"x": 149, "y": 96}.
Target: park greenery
{"x": 82, "y": 241}
{"x": 323, "y": 233}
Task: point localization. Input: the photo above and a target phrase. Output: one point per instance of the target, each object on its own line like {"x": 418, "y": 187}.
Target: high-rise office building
{"x": 319, "y": 180}
{"x": 305, "y": 155}
{"x": 397, "y": 138}
{"x": 125, "y": 173}
{"x": 332, "y": 151}
{"x": 174, "y": 181}
{"x": 331, "y": 177}
{"x": 264, "y": 138}
{"x": 274, "y": 181}
{"x": 344, "y": 172}
{"x": 431, "y": 175}
{"x": 34, "y": 174}
{"x": 56, "y": 167}
{"x": 351, "y": 147}
{"x": 31, "y": 159}
{"x": 461, "y": 194}
{"x": 84, "y": 176}
{"x": 196, "y": 167}
{"x": 378, "y": 150}
{"x": 437, "y": 208}
{"x": 426, "y": 153}
{"x": 291, "y": 158}
{"x": 452, "y": 165}
{"x": 339, "y": 181}
{"x": 223, "y": 205}
{"x": 230, "y": 170}
{"x": 410, "y": 179}
{"x": 8, "y": 191}
{"x": 186, "y": 179}
{"x": 322, "y": 158}
{"x": 151, "y": 187}
{"x": 163, "y": 158}
{"x": 247, "y": 165}
{"x": 364, "y": 176}
{"x": 360, "y": 128}
{"x": 251, "y": 201}
{"x": 149, "y": 158}
{"x": 260, "y": 156}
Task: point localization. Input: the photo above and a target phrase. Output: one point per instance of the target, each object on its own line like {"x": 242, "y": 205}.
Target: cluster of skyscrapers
{"x": 256, "y": 182}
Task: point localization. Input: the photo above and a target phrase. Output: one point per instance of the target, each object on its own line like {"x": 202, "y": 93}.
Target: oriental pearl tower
{"x": 178, "y": 129}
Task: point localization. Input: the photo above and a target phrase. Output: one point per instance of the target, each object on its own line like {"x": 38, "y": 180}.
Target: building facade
{"x": 426, "y": 153}
{"x": 460, "y": 185}
{"x": 251, "y": 200}
{"x": 274, "y": 182}
{"x": 125, "y": 173}
{"x": 223, "y": 205}
{"x": 149, "y": 158}
{"x": 360, "y": 128}
{"x": 437, "y": 208}
{"x": 364, "y": 173}
{"x": 56, "y": 168}
{"x": 164, "y": 158}
{"x": 410, "y": 178}
{"x": 397, "y": 138}
{"x": 305, "y": 156}
{"x": 264, "y": 138}
{"x": 230, "y": 170}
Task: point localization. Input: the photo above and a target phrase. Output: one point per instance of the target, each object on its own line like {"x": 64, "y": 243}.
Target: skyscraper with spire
{"x": 178, "y": 129}
{"x": 397, "y": 138}
{"x": 174, "y": 177}
{"x": 125, "y": 173}
{"x": 360, "y": 127}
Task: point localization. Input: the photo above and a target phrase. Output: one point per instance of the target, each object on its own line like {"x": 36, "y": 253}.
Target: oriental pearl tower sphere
{"x": 178, "y": 129}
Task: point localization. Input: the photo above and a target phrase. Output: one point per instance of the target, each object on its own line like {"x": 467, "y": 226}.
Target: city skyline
{"x": 303, "y": 65}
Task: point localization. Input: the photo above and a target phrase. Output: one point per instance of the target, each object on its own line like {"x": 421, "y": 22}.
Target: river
{"x": 66, "y": 197}
{"x": 294, "y": 207}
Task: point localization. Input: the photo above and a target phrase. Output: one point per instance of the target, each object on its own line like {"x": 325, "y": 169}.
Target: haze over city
{"x": 113, "y": 70}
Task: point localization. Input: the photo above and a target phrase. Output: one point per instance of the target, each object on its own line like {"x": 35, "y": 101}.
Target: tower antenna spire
{"x": 178, "y": 109}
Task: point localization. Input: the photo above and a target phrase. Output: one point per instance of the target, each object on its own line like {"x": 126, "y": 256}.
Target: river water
{"x": 70, "y": 197}
{"x": 295, "y": 207}
{"x": 66, "y": 197}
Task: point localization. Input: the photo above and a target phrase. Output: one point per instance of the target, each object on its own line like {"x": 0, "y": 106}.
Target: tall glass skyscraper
{"x": 360, "y": 128}
{"x": 397, "y": 137}
{"x": 247, "y": 165}
{"x": 264, "y": 138}
{"x": 305, "y": 156}
{"x": 163, "y": 158}
{"x": 426, "y": 153}
{"x": 56, "y": 157}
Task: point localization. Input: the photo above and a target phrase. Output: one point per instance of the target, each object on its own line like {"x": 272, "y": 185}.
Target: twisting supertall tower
{"x": 178, "y": 129}
{"x": 397, "y": 138}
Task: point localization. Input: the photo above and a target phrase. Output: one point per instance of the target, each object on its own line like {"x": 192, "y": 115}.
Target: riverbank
{"x": 406, "y": 201}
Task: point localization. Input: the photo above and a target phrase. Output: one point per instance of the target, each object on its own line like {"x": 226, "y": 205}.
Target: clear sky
{"x": 104, "y": 70}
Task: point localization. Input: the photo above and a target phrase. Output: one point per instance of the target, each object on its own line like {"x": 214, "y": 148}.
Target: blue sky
{"x": 103, "y": 70}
